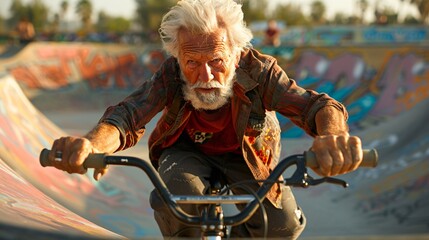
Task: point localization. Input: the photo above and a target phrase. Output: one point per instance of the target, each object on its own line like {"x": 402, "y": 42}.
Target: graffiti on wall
{"x": 61, "y": 66}
{"x": 402, "y": 203}
{"x": 338, "y": 35}
{"x": 395, "y": 83}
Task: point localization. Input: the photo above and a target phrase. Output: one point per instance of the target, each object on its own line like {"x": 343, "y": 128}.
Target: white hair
{"x": 204, "y": 17}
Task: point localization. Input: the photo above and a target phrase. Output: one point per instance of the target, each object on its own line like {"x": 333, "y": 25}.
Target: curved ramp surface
{"x": 27, "y": 212}
{"x": 118, "y": 203}
{"x": 391, "y": 199}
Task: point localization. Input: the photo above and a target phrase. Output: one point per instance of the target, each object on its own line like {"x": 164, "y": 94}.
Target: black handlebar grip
{"x": 43, "y": 158}
{"x": 94, "y": 160}
{"x": 370, "y": 158}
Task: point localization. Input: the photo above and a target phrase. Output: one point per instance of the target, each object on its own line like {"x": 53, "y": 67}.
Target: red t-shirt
{"x": 212, "y": 131}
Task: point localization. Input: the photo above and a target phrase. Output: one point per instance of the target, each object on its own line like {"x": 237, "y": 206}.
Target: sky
{"x": 126, "y": 8}
{"x": 348, "y": 7}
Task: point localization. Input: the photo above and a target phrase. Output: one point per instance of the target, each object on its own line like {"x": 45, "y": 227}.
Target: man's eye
{"x": 216, "y": 62}
{"x": 192, "y": 63}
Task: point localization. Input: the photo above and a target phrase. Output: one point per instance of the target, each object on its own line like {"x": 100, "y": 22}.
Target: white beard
{"x": 213, "y": 100}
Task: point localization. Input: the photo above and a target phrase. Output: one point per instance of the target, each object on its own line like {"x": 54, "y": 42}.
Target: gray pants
{"x": 185, "y": 171}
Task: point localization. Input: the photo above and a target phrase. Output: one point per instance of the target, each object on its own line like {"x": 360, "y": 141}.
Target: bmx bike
{"x": 212, "y": 221}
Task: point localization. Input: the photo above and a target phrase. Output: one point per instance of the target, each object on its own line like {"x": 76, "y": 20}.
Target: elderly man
{"x": 219, "y": 97}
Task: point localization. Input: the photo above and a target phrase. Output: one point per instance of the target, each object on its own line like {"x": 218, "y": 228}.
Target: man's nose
{"x": 206, "y": 73}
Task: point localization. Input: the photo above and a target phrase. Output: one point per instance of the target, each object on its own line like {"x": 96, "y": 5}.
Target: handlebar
{"x": 370, "y": 158}
{"x": 97, "y": 160}
{"x": 299, "y": 179}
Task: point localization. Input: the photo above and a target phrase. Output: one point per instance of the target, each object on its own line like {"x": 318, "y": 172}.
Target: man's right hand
{"x": 69, "y": 153}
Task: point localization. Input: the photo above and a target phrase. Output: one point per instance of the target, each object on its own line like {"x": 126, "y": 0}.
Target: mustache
{"x": 207, "y": 85}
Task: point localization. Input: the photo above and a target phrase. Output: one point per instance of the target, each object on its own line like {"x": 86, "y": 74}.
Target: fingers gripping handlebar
{"x": 94, "y": 160}
{"x": 370, "y": 158}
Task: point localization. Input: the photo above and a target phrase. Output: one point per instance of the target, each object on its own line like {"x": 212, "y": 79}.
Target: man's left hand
{"x": 337, "y": 154}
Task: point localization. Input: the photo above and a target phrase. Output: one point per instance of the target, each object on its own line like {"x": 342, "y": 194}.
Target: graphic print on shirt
{"x": 199, "y": 137}
{"x": 212, "y": 131}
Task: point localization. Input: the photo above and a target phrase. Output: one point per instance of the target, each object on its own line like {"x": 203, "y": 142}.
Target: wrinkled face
{"x": 208, "y": 67}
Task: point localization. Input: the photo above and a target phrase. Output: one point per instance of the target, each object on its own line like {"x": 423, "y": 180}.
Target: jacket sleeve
{"x": 300, "y": 105}
{"x": 132, "y": 114}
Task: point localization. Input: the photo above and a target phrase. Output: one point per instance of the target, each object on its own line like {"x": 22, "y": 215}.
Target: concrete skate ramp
{"x": 385, "y": 89}
{"x": 48, "y": 200}
{"x": 26, "y": 210}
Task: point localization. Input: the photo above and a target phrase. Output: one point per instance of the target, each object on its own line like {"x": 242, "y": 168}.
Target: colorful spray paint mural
{"x": 56, "y": 66}
{"x": 373, "y": 82}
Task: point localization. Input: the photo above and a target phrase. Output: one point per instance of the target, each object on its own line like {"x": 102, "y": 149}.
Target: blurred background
{"x": 134, "y": 21}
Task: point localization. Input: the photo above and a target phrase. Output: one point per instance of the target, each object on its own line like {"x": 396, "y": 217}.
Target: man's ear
{"x": 237, "y": 59}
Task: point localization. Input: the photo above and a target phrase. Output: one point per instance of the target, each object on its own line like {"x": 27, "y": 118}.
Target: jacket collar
{"x": 244, "y": 80}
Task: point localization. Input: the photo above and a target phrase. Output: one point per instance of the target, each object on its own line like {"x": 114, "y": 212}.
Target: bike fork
{"x": 212, "y": 238}
{"x": 213, "y": 229}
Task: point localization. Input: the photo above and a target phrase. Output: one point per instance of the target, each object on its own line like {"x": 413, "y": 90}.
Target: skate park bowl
{"x": 49, "y": 90}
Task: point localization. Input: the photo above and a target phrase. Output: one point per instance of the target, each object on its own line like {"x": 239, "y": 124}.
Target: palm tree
{"x": 84, "y": 10}
{"x": 64, "y": 8}
{"x": 18, "y": 11}
{"x": 291, "y": 14}
{"x": 255, "y": 10}
{"x": 318, "y": 11}
{"x": 362, "y": 6}
{"x": 150, "y": 12}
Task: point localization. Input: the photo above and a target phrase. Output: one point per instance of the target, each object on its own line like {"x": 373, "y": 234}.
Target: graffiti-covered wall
{"x": 55, "y": 66}
{"x": 373, "y": 82}
{"x": 351, "y": 36}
